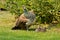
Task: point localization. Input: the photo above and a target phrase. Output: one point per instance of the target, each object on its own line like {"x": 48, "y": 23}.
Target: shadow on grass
{"x": 31, "y": 29}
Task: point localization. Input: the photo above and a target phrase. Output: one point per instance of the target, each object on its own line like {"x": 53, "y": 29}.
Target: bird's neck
{"x": 25, "y": 11}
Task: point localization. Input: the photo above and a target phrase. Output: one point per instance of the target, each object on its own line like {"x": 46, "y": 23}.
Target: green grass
{"x": 7, "y": 22}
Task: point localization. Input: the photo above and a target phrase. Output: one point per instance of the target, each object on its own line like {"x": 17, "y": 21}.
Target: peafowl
{"x": 25, "y": 20}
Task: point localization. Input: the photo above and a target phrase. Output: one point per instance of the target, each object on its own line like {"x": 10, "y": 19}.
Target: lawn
{"x": 7, "y": 22}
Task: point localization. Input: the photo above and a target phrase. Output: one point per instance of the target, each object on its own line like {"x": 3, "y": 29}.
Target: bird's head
{"x": 24, "y": 7}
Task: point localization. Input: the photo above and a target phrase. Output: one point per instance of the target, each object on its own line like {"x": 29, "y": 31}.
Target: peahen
{"x": 25, "y": 20}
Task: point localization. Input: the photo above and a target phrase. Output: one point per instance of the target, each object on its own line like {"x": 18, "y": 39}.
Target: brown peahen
{"x": 25, "y": 20}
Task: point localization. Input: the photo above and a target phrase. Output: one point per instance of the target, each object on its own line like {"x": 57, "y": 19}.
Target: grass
{"x": 7, "y": 22}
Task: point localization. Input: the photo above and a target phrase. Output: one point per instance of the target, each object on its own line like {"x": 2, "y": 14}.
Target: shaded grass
{"x": 7, "y": 22}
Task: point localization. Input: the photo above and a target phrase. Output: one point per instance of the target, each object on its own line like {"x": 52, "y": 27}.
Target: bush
{"x": 42, "y": 8}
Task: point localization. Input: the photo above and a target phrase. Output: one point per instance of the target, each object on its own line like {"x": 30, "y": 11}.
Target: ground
{"x": 7, "y": 21}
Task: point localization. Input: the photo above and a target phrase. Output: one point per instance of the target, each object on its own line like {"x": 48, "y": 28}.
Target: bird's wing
{"x": 23, "y": 18}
